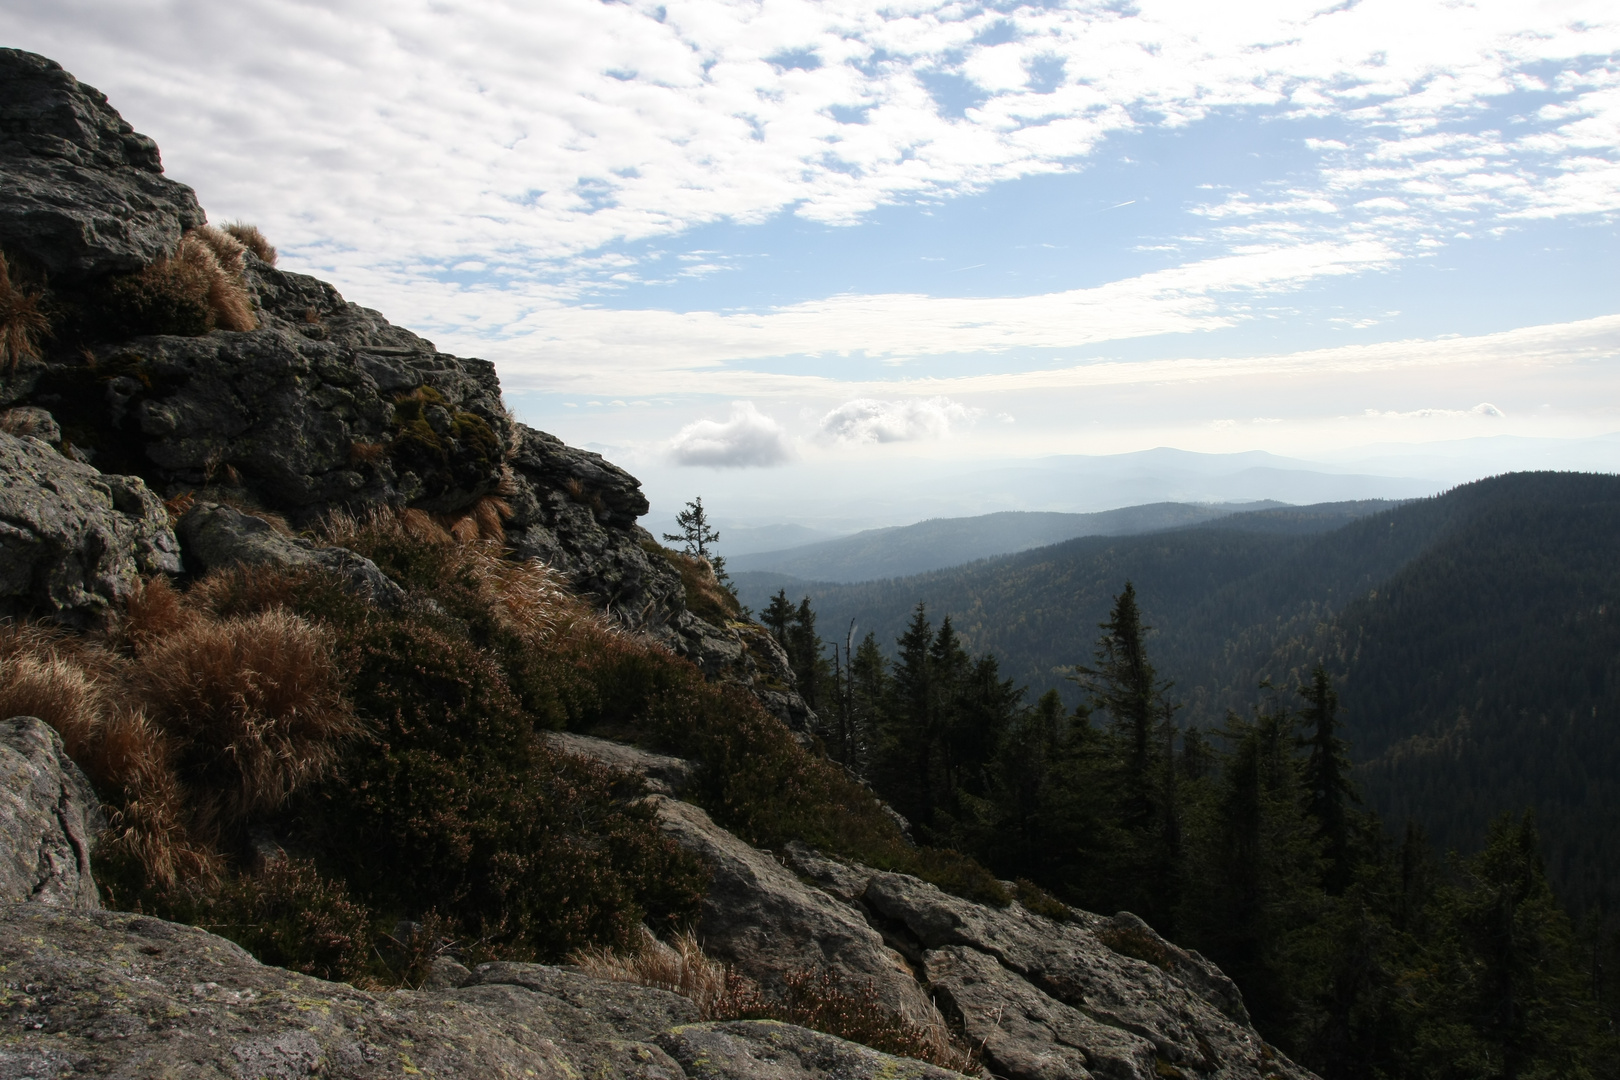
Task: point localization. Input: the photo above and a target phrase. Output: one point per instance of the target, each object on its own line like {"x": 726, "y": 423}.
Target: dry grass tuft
{"x": 528, "y": 598}
{"x": 226, "y": 249}
{"x": 22, "y": 321}
{"x": 212, "y": 262}
{"x": 186, "y": 722}
{"x": 367, "y": 453}
{"x": 680, "y": 967}
{"x": 251, "y": 238}
{"x": 817, "y": 999}
{"x": 255, "y": 706}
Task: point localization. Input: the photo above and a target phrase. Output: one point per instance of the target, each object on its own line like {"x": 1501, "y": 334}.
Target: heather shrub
{"x": 22, "y": 320}
{"x": 451, "y": 800}
{"x": 287, "y": 914}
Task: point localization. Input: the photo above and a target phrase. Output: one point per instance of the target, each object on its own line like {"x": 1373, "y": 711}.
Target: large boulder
{"x": 49, "y": 818}
{"x": 759, "y": 916}
{"x": 216, "y": 536}
{"x": 85, "y": 195}
{"x": 1109, "y": 993}
{"x": 73, "y": 542}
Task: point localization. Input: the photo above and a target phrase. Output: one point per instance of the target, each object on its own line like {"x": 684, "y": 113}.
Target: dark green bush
{"x": 451, "y": 801}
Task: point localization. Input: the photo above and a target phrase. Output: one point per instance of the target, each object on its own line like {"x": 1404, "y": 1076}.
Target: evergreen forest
{"x": 1237, "y": 820}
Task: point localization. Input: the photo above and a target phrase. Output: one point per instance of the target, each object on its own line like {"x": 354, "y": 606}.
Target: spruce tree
{"x": 778, "y": 616}
{"x": 1328, "y": 789}
{"x": 696, "y": 537}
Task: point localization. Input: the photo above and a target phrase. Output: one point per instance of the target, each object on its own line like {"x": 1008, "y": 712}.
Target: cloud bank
{"x": 868, "y": 420}
{"x": 747, "y": 438}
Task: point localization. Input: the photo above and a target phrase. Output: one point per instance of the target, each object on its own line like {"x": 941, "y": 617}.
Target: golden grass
{"x": 251, "y": 238}
{"x": 817, "y": 999}
{"x": 22, "y": 321}
{"x": 254, "y": 704}
{"x": 528, "y": 598}
{"x": 681, "y": 967}
{"x": 186, "y": 722}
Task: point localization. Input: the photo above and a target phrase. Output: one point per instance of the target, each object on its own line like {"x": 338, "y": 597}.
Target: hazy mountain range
{"x": 941, "y": 542}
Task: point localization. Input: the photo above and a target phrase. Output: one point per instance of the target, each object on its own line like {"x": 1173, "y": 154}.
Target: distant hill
{"x": 940, "y": 542}
{"x": 1476, "y": 637}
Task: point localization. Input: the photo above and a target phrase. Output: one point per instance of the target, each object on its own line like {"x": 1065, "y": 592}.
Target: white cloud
{"x": 1484, "y": 410}
{"x": 557, "y": 347}
{"x": 746, "y": 438}
{"x": 381, "y": 144}
{"x": 868, "y": 420}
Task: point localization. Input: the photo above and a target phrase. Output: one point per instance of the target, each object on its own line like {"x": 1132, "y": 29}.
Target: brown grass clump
{"x": 197, "y": 289}
{"x": 367, "y": 453}
{"x": 681, "y": 967}
{"x": 213, "y": 260}
{"x": 22, "y": 321}
{"x": 251, "y": 238}
{"x": 816, "y": 999}
{"x": 185, "y": 722}
{"x": 254, "y": 704}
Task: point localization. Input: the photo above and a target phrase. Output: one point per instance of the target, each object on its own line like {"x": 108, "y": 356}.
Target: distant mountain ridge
{"x": 1475, "y": 635}
{"x": 940, "y": 542}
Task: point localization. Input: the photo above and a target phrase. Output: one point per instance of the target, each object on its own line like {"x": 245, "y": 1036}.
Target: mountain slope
{"x": 940, "y": 542}
{"x": 1473, "y": 636}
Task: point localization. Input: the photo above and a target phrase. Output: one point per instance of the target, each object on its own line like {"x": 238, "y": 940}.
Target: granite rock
{"x": 73, "y": 541}
{"x": 85, "y": 194}
{"x": 215, "y": 536}
{"x": 49, "y": 818}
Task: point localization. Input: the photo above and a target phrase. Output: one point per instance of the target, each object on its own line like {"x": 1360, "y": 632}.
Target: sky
{"x": 770, "y": 249}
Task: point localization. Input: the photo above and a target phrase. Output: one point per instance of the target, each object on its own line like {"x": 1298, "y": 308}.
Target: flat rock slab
{"x": 766, "y": 1050}
{"x": 119, "y": 995}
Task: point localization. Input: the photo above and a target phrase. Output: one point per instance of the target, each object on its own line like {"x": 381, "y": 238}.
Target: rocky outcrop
{"x": 85, "y": 195}
{"x": 1047, "y": 999}
{"x": 74, "y": 541}
{"x": 1041, "y": 999}
{"x": 49, "y": 818}
{"x": 122, "y": 995}
{"x": 326, "y": 406}
{"x": 217, "y": 536}
{"x": 765, "y": 1050}
{"x": 759, "y": 917}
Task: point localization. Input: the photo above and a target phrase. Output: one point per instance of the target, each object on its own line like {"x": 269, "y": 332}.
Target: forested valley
{"x": 1466, "y": 642}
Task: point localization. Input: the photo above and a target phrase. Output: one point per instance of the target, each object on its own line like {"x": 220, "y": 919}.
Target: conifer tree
{"x": 778, "y": 616}
{"x": 696, "y": 537}
{"x": 1328, "y": 789}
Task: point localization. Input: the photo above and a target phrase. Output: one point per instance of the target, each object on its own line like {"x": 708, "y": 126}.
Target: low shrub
{"x": 287, "y": 914}
{"x": 1036, "y": 899}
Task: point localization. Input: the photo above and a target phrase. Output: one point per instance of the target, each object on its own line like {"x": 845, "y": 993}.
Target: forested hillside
{"x": 941, "y": 542}
{"x": 1472, "y": 635}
